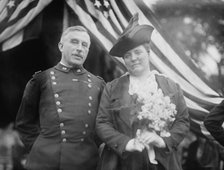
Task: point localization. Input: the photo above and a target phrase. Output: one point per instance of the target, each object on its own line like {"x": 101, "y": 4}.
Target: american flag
{"x": 15, "y": 16}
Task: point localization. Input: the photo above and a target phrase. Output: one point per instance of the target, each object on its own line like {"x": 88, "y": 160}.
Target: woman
{"x": 129, "y": 144}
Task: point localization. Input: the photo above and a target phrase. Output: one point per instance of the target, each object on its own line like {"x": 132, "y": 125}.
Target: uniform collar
{"x": 63, "y": 68}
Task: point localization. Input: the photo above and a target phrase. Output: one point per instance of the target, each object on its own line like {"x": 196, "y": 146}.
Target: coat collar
{"x": 63, "y": 68}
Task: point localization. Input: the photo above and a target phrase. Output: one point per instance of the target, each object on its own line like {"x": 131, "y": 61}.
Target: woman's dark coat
{"x": 114, "y": 127}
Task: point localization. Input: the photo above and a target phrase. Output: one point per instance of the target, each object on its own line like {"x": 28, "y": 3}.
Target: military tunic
{"x": 56, "y": 119}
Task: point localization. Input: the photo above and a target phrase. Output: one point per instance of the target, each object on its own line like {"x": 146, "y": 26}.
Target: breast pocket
{"x": 115, "y": 105}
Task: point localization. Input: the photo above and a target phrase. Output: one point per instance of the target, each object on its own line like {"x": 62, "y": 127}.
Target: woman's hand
{"x": 150, "y": 138}
{"x": 134, "y": 145}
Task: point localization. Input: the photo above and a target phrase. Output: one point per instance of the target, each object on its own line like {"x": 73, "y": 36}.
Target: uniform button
{"x": 56, "y": 95}
{"x": 84, "y": 132}
{"x": 59, "y": 110}
{"x": 53, "y": 77}
{"x": 63, "y": 132}
{"x": 89, "y": 80}
{"x": 74, "y": 79}
{"x": 82, "y": 139}
{"x": 78, "y": 71}
{"x": 89, "y": 85}
{"x": 90, "y": 98}
{"x": 58, "y": 102}
{"x": 89, "y": 104}
{"x": 54, "y": 83}
{"x": 89, "y": 75}
{"x": 89, "y": 112}
{"x": 61, "y": 124}
{"x": 86, "y": 125}
{"x": 115, "y": 145}
{"x": 52, "y": 73}
{"x": 64, "y": 140}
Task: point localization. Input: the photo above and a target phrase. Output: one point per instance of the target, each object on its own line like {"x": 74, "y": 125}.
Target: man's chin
{"x": 77, "y": 62}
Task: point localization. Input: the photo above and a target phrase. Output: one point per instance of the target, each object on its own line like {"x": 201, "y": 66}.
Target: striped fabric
{"x": 106, "y": 19}
{"x": 15, "y": 15}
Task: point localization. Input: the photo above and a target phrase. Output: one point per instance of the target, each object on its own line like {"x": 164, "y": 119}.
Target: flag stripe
{"x": 125, "y": 11}
{"x": 122, "y": 19}
{"x": 3, "y": 15}
{"x": 23, "y": 5}
{"x": 105, "y": 32}
{"x": 115, "y": 22}
{"x": 7, "y": 23}
{"x": 203, "y": 103}
{"x": 3, "y": 4}
{"x": 193, "y": 105}
{"x": 116, "y": 29}
{"x": 164, "y": 59}
{"x": 23, "y": 22}
{"x": 13, "y": 41}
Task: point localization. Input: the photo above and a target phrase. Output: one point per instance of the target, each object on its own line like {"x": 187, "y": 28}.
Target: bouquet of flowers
{"x": 156, "y": 113}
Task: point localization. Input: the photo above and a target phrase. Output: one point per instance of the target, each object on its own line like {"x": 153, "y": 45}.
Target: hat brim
{"x": 140, "y": 35}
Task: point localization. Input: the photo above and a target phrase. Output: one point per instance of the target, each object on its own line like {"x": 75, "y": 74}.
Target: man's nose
{"x": 79, "y": 46}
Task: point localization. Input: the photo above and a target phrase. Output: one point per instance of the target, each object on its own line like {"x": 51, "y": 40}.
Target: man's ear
{"x": 60, "y": 46}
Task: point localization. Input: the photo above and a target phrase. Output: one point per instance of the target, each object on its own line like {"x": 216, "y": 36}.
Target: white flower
{"x": 156, "y": 107}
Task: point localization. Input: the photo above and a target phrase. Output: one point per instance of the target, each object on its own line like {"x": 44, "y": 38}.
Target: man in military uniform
{"x": 56, "y": 118}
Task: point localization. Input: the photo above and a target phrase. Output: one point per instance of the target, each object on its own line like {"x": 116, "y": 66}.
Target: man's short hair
{"x": 73, "y": 28}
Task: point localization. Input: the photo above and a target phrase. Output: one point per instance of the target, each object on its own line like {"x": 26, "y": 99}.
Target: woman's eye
{"x": 138, "y": 52}
{"x": 126, "y": 57}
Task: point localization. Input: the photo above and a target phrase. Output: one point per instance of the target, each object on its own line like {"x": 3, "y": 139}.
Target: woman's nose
{"x": 133, "y": 57}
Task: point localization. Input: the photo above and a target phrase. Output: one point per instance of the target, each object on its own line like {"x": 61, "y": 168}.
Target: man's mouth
{"x": 78, "y": 56}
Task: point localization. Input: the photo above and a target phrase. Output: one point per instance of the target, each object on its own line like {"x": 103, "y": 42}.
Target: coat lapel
{"x": 123, "y": 100}
{"x": 165, "y": 87}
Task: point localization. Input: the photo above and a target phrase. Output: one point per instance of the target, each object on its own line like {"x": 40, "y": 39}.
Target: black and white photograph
{"x": 112, "y": 84}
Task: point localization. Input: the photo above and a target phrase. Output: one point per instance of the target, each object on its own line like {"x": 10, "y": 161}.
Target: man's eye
{"x": 85, "y": 44}
{"x": 74, "y": 42}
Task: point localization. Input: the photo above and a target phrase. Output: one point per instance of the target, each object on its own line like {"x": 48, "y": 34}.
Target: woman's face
{"x": 137, "y": 60}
